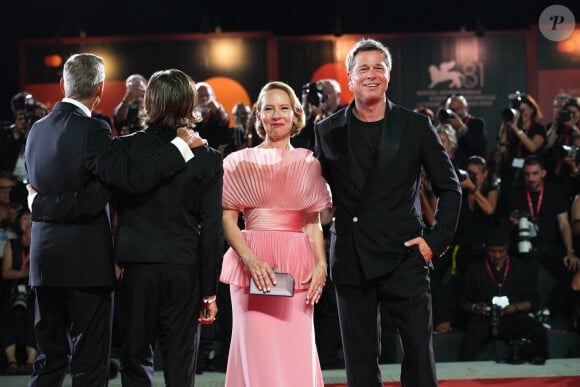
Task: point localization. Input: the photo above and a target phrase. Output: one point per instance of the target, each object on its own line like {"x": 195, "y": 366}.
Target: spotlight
{"x": 54, "y": 60}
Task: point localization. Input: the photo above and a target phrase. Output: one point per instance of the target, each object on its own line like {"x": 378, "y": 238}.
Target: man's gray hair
{"x": 82, "y": 75}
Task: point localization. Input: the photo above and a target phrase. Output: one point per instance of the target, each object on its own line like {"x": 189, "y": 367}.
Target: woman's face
{"x": 575, "y": 114}
{"x": 276, "y": 114}
{"x": 526, "y": 112}
{"x": 25, "y": 223}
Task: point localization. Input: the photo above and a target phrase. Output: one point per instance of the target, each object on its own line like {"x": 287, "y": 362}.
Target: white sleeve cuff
{"x": 183, "y": 148}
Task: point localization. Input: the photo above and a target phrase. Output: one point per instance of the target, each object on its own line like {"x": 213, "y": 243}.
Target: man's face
{"x": 497, "y": 254}
{"x": 534, "y": 177}
{"x": 20, "y": 120}
{"x": 369, "y": 79}
{"x": 203, "y": 96}
{"x": 6, "y": 186}
{"x": 459, "y": 106}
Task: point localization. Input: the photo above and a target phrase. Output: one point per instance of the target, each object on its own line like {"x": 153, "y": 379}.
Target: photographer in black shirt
{"x": 498, "y": 293}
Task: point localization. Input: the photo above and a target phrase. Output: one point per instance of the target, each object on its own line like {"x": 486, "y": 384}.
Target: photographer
{"x": 10, "y": 203}
{"x": 479, "y": 200}
{"x": 562, "y": 145}
{"x": 548, "y": 208}
{"x": 18, "y": 308}
{"x": 498, "y": 293}
{"x": 319, "y": 99}
{"x": 26, "y": 111}
{"x": 126, "y": 113}
{"x": 471, "y": 131}
{"x": 478, "y": 204}
{"x": 521, "y": 134}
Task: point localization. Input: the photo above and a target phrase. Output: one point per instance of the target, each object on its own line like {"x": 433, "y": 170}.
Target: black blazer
{"x": 64, "y": 151}
{"x": 180, "y": 220}
{"x": 374, "y": 216}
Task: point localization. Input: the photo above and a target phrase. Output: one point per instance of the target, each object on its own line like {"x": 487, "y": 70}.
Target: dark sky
{"x": 45, "y": 19}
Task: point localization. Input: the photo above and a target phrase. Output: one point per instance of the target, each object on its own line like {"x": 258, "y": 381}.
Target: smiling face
{"x": 276, "y": 115}
{"x": 369, "y": 78}
{"x": 526, "y": 112}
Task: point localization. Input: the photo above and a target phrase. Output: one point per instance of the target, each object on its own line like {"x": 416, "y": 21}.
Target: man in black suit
{"x": 71, "y": 264}
{"x": 372, "y": 153}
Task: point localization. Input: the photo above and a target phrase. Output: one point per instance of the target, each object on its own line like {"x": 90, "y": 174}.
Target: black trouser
{"x": 159, "y": 304}
{"x": 406, "y": 296}
{"x": 73, "y": 331}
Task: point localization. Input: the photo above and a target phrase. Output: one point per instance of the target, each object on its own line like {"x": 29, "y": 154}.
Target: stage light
{"x": 53, "y": 60}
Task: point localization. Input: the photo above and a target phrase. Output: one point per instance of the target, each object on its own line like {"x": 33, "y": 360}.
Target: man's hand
{"x": 424, "y": 248}
{"x": 208, "y": 313}
{"x": 572, "y": 262}
{"x": 191, "y": 137}
{"x": 31, "y": 195}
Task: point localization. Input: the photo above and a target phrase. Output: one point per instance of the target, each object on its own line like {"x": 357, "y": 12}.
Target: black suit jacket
{"x": 376, "y": 214}
{"x": 64, "y": 152}
{"x": 180, "y": 220}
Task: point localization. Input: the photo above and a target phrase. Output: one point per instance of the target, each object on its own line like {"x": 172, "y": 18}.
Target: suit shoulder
{"x": 208, "y": 152}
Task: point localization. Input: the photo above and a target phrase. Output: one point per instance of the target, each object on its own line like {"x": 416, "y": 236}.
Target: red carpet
{"x": 548, "y": 381}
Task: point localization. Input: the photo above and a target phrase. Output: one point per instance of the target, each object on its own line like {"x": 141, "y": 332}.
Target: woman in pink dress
{"x": 281, "y": 192}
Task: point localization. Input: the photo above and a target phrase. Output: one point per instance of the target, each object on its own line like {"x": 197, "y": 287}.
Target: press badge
{"x": 518, "y": 162}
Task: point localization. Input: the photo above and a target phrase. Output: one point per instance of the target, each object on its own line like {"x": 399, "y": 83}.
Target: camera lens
{"x": 445, "y": 114}
{"x": 508, "y": 114}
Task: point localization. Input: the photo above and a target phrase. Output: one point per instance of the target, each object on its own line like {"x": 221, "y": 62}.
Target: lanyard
{"x": 505, "y": 272}
{"x": 535, "y": 214}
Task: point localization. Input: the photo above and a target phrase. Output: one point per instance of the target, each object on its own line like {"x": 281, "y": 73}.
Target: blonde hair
{"x": 299, "y": 116}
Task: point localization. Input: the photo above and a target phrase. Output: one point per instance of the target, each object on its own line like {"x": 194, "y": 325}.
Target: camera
{"x": 20, "y": 297}
{"x": 462, "y": 175}
{"x": 495, "y": 310}
{"x": 32, "y": 107}
{"x": 444, "y": 114}
{"x": 509, "y": 114}
{"x": 571, "y": 151}
{"x": 564, "y": 116}
{"x": 313, "y": 93}
{"x": 527, "y": 230}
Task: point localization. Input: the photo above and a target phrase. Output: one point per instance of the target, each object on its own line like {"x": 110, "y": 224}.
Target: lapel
{"x": 388, "y": 147}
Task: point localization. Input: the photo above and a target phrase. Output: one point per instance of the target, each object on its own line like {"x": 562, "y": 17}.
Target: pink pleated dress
{"x": 273, "y": 343}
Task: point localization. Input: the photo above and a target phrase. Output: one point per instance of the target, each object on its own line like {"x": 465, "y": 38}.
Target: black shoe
{"x": 538, "y": 360}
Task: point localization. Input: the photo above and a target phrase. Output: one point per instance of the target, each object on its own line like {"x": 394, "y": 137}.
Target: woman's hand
{"x": 262, "y": 274}
{"x": 317, "y": 279}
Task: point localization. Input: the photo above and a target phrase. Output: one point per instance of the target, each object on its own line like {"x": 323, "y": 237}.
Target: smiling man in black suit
{"x": 372, "y": 153}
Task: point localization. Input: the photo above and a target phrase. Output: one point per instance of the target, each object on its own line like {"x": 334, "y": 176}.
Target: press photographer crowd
{"x": 512, "y": 274}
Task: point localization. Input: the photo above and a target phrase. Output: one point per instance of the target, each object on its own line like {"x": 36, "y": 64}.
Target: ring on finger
{"x": 259, "y": 275}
